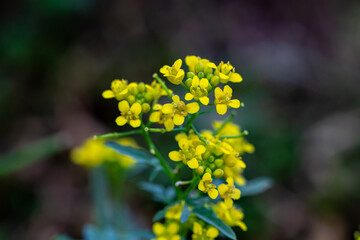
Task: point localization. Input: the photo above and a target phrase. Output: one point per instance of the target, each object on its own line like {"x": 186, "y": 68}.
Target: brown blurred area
{"x": 300, "y": 62}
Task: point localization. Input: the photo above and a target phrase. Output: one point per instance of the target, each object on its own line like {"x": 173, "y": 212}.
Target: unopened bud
{"x": 218, "y": 173}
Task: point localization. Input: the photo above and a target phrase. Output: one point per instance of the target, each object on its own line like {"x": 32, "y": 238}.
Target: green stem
{"x": 157, "y": 78}
{"x": 162, "y": 130}
{"x": 194, "y": 183}
{"x": 117, "y": 135}
{"x": 190, "y": 121}
{"x": 244, "y": 133}
{"x": 227, "y": 120}
{"x": 187, "y": 89}
{"x": 198, "y": 134}
{"x": 207, "y": 111}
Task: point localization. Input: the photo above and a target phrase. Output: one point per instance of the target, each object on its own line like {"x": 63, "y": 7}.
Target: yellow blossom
{"x": 189, "y": 154}
{"x": 229, "y": 192}
{"x": 231, "y": 216}
{"x": 235, "y": 172}
{"x": 198, "y": 90}
{"x": 162, "y": 118}
{"x": 204, "y": 233}
{"x": 169, "y": 231}
{"x": 174, "y": 73}
{"x": 129, "y": 114}
{"x": 179, "y": 109}
{"x": 93, "y": 152}
{"x": 174, "y": 212}
{"x": 118, "y": 90}
{"x": 192, "y": 61}
{"x": 223, "y": 100}
{"x": 206, "y": 186}
{"x": 226, "y": 73}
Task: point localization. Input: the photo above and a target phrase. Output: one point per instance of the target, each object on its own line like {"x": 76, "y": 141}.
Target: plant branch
{"x": 117, "y": 135}
{"x": 244, "y": 133}
{"x": 162, "y": 83}
{"x": 227, "y": 120}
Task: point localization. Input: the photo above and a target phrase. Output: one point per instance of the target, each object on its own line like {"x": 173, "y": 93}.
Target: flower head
{"x": 228, "y": 192}
{"x": 223, "y": 100}
{"x": 118, "y": 90}
{"x": 167, "y": 231}
{"x": 174, "y": 73}
{"x": 197, "y": 64}
{"x": 174, "y": 212}
{"x": 226, "y": 73}
{"x": 198, "y": 90}
{"x": 204, "y": 232}
{"x": 189, "y": 153}
{"x": 206, "y": 186}
{"x": 129, "y": 114}
{"x": 231, "y": 216}
{"x": 180, "y": 109}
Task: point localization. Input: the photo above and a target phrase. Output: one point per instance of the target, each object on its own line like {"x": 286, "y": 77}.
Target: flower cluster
{"x": 93, "y": 152}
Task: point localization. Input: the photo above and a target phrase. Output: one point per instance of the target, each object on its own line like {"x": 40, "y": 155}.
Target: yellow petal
{"x": 195, "y": 81}
{"x": 223, "y": 188}
{"x": 173, "y": 228}
{"x": 189, "y": 96}
{"x": 221, "y": 109}
{"x": 235, "y": 77}
{"x": 228, "y": 202}
{"x": 179, "y": 77}
{"x": 200, "y": 149}
{"x": 234, "y": 103}
{"x": 176, "y": 98}
{"x": 212, "y": 232}
{"x": 228, "y": 90}
{"x": 121, "y": 121}
{"x": 213, "y": 193}
{"x": 193, "y": 163}
{"x": 167, "y": 108}
{"x": 236, "y": 194}
{"x": 191, "y": 60}
{"x": 169, "y": 125}
{"x": 178, "y": 119}
{"x": 124, "y": 92}
{"x": 204, "y": 100}
{"x": 108, "y": 94}
{"x": 204, "y": 83}
{"x": 223, "y": 76}
{"x": 136, "y": 108}
{"x": 242, "y": 225}
{"x": 218, "y": 92}
{"x": 157, "y": 107}
{"x": 175, "y": 156}
{"x": 211, "y": 65}
{"x": 207, "y": 177}
{"x": 177, "y": 64}
{"x": 230, "y": 181}
{"x": 158, "y": 228}
{"x": 201, "y": 186}
{"x": 135, "y": 123}
{"x": 192, "y": 107}
{"x": 124, "y": 106}
{"x": 197, "y": 229}
{"x": 164, "y": 69}
{"x": 155, "y": 117}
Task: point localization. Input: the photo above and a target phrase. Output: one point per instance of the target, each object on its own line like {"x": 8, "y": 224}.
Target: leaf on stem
{"x": 185, "y": 214}
{"x": 159, "y": 192}
{"x": 256, "y": 186}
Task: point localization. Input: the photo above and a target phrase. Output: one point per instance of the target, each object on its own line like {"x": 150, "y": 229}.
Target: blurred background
{"x": 300, "y": 61}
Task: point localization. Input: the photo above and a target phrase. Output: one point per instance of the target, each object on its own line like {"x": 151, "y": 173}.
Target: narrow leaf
{"x": 208, "y": 216}
{"x": 160, "y": 214}
{"x": 256, "y": 186}
{"x": 185, "y": 214}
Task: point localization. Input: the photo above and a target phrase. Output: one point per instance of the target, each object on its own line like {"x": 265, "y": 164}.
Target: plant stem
{"x": 194, "y": 183}
{"x": 244, "y": 133}
{"x": 157, "y": 78}
{"x": 117, "y": 135}
{"x": 187, "y": 89}
{"x": 227, "y": 120}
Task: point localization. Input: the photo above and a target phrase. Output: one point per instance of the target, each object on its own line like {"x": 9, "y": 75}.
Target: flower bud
{"x": 200, "y": 170}
{"x": 199, "y": 67}
{"x": 206, "y": 155}
{"x": 134, "y": 91}
{"x": 190, "y": 75}
{"x": 131, "y": 99}
{"x": 201, "y": 75}
{"x": 212, "y": 166}
{"x": 215, "y": 80}
{"x": 141, "y": 87}
{"x": 211, "y": 159}
{"x": 208, "y": 70}
{"x": 208, "y": 170}
{"x": 219, "y": 162}
{"x": 218, "y": 173}
{"x": 188, "y": 82}
{"x": 149, "y": 97}
{"x": 145, "y": 107}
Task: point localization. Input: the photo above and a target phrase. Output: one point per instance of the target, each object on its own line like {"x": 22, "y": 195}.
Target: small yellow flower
{"x": 169, "y": 231}
{"x": 204, "y": 233}
{"x": 188, "y": 153}
{"x": 174, "y": 212}
{"x": 174, "y": 73}
{"x": 235, "y": 172}
{"x": 118, "y": 90}
{"x": 179, "y": 109}
{"x": 192, "y": 61}
{"x": 161, "y": 118}
{"x": 198, "y": 90}
{"x": 206, "y": 186}
{"x": 231, "y": 216}
{"x": 223, "y": 100}
{"x": 226, "y": 73}
{"x": 229, "y": 192}
{"x": 129, "y": 114}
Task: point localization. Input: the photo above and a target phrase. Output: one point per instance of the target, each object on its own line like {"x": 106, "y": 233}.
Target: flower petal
{"x": 193, "y": 107}
{"x": 189, "y": 96}
{"x": 155, "y": 117}
{"x": 108, "y": 94}
{"x": 167, "y": 108}
{"x": 178, "y": 119}
{"x": 204, "y": 100}
{"x": 234, "y": 103}
{"x": 228, "y": 90}
{"x": 121, "y": 121}
{"x": 207, "y": 177}
{"x": 213, "y": 193}
{"x": 221, "y": 109}
{"x": 212, "y": 232}
{"x": 158, "y": 228}
{"x": 124, "y": 106}
{"x": 200, "y": 149}
{"x": 222, "y": 189}
{"x": 201, "y": 186}
{"x": 228, "y": 202}
{"x": 218, "y": 92}
{"x": 177, "y": 64}
{"x": 193, "y": 163}
{"x": 169, "y": 124}
{"x": 195, "y": 81}
{"x": 235, "y": 77}
{"x": 175, "y": 156}
{"x": 204, "y": 83}
{"x": 136, "y": 108}
{"x": 176, "y": 98}
{"x": 135, "y": 123}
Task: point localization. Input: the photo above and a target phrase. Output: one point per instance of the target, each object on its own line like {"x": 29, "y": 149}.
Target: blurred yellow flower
{"x": 174, "y": 212}
{"x": 206, "y": 186}
{"x": 169, "y": 231}
{"x": 129, "y": 114}
{"x": 118, "y": 90}
{"x": 201, "y": 63}
{"x": 226, "y": 73}
{"x": 228, "y": 192}
{"x": 231, "y": 216}
{"x": 204, "y": 233}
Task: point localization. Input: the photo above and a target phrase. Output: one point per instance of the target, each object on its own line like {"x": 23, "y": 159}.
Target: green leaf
{"x": 160, "y": 214}
{"x": 256, "y": 186}
{"x": 154, "y": 173}
{"x": 62, "y": 237}
{"x": 185, "y": 214}
{"x": 139, "y": 155}
{"x": 159, "y": 192}
{"x": 31, "y": 153}
{"x": 209, "y": 216}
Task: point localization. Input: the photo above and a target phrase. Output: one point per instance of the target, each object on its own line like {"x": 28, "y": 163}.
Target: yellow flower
{"x": 223, "y": 100}
{"x": 118, "y": 90}
{"x": 161, "y": 118}
{"x": 192, "y": 61}
{"x": 198, "y": 90}
{"x": 206, "y": 186}
{"x": 204, "y": 233}
{"x": 129, "y": 114}
{"x": 231, "y": 216}
{"x": 93, "y": 152}
{"x": 169, "y": 231}
{"x": 229, "y": 192}
{"x": 174, "y": 212}
{"x": 174, "y": 73}
{"x": 226, "y": 72}
{"x": 235, "y": 172}
{"x": 189, "y": 154}
{"x": 179, "y": 109}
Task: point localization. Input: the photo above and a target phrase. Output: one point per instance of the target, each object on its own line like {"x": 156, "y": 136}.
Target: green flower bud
{"x": 199, "y": 67}
{"x": 218, "y": 173}
{"x": 211, "y": 159}
{"x": 188, "y": 82}
{"x": 209, "y": 75}
{"x": 206, "y": 155}
{"x": 201, "y": 75}
{"x": 215, "y": 80}
{"x": 200, "y": 170}
{"x": 145, "y": 107}
{"x": 208, "y": 170}
{"x": 149, "y": 97}
{"x": 208, "y": 70}
{"x": 131, "y": 99}
{"x": 212, "y": 166}
{"x": 190, "y": 75}
{"x": 134, "y": 91}
{"x": 219, "y": 162}
{"x": 141, "y": 87}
